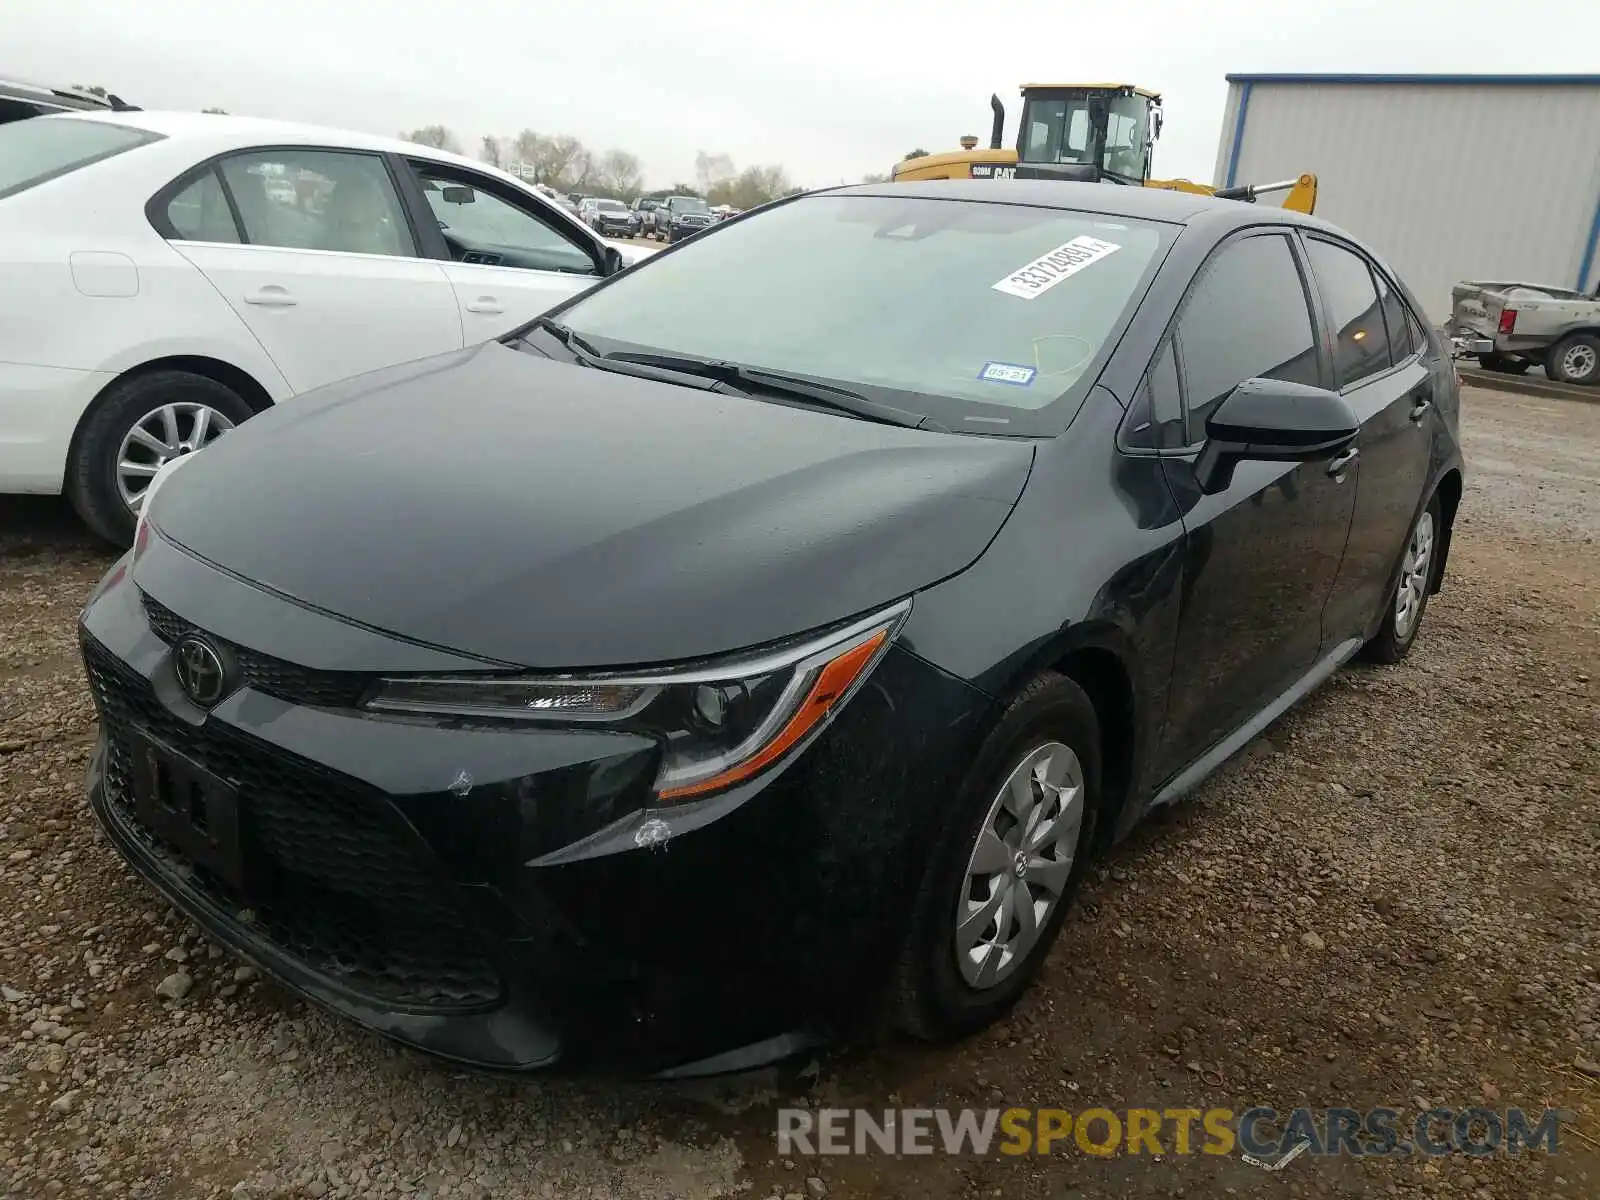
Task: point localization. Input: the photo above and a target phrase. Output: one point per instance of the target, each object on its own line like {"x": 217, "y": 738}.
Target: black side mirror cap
{"x": 614, "y": 262}
{"x": 1272, "y": 420}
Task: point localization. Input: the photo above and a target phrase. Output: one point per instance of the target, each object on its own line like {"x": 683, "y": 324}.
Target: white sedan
{"x": 165, "y": 276}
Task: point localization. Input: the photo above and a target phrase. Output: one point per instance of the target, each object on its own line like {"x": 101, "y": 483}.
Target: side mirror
{"x": 458, "y": 194}
{"x": 614, "y": 260}
{"x": 1272, "y": 420}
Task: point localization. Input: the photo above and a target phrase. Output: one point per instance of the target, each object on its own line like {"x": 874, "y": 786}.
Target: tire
{"x": 92, "y": 474}
{"x": 935, "y": 997}
{"x": 1576, "y": 359}
{"x": 1398, "y": 632}
{"x": 1504, "y": 365}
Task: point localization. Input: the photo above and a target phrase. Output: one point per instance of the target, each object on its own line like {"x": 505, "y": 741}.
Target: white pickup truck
{"x": 1510, "y": 327}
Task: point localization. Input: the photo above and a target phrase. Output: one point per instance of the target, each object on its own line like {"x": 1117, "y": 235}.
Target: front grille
{"x": 286, "y": 680}
{"x": 336, "y": 878}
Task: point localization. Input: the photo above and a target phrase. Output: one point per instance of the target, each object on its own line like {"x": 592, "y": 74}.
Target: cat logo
{"x": 993, "y": 171}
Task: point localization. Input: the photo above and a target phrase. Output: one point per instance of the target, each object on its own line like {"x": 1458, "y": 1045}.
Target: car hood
{"x": 545, "y": 515}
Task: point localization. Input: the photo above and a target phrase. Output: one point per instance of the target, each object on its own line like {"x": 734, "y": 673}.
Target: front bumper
{"x": 39, "y": 409}
{"x": 487, "y": 895}
{"x": 616, "y": 228}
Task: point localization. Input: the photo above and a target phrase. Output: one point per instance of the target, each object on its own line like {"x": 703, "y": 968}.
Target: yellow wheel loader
{"x": 1084, "y": 132}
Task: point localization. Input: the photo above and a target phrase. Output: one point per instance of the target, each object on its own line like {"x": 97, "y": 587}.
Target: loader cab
{"x": 1107, "y": 129}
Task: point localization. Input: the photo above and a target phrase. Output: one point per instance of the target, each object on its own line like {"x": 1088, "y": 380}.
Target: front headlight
{"x": 720, "y": 724}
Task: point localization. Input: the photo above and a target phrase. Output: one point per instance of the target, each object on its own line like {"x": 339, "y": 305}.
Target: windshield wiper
{"x": 825, "y": 395}
{"x": 572, "y": 341}
{"x": 588, "y": 356}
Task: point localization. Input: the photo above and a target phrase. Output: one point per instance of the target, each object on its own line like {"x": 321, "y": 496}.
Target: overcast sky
{"x": 831, "y": 89}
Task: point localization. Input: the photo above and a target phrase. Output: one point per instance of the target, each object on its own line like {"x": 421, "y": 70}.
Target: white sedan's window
{"x": 43, "y": 148}
{"x": 481, "y": 227}
{"x": 199, "y": 213}
{"x": 318, "y": 200}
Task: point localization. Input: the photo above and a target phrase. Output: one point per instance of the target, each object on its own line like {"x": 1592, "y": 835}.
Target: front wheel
{"x": 1005, "y": 866}
{"x": 140, "y": 424}
{"x": 1576, "y": 359}
{"x": 1409, "y": 597}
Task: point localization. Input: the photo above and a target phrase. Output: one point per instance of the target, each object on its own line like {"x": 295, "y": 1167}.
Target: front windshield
{"x": 689, "y": 204}
{"x": 611, "y": 205}
{"x": 978, "y": 315}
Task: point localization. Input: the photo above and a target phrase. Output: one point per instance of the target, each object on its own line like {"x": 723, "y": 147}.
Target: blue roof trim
{"x": 1238, "y": 134}
{"x": 1588, "y": 250}
{"x": 1457, "y": 80}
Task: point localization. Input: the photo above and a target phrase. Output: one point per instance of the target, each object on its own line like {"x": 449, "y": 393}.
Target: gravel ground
{"x": 1390, "y": 898}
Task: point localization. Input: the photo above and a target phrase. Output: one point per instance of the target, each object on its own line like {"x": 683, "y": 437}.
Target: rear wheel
{"x": 1576, "y": 359}
{"x": 1409, "y": 597}
{"x": 1002, "y": 874}
{"x": 140, "y": 424}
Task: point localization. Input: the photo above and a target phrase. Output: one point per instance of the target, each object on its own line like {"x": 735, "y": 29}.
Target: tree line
{"x": 563, "y": 162}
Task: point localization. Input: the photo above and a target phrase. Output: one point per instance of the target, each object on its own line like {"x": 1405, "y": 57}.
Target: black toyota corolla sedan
{"x": 769, "y": 636}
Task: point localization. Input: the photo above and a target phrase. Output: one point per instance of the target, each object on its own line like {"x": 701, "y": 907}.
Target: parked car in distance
{"x": 20, "y": 99}
{"x": 680, "y": 216}
{"x": 610, "y": 218}
{"x": 644, "y": 216}
{"x": 1032, "y": 505}
{"x": 1510, "y": 327}
{"x": 166, "y": 276}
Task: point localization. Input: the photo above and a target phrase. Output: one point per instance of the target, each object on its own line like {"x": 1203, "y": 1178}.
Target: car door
{"x": 1380, "y": 370}
{"x": 507, "y": 256}
{"x": 319, "y": 259}
{"x": 1262, "y": 555}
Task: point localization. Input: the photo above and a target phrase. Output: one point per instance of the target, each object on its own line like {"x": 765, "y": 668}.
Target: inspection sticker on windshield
{"x": 1013, "y": 373}
{"x": 1065, "y": 261}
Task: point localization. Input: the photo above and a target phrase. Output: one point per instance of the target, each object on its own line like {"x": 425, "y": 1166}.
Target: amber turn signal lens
{"x": 832, "y": 682}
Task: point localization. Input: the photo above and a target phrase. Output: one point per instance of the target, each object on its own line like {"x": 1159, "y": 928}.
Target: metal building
{"x": 1449, "y": 177}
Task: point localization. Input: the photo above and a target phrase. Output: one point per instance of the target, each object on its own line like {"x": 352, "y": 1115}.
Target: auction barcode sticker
{"x": 1065, "y": 261}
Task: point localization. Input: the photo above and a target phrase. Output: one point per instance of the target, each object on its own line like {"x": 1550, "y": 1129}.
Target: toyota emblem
{"x": 200, "y": 671}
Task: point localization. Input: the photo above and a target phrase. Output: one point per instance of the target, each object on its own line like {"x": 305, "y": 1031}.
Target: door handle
{"x": 1342, "y": 462}
{"x": 485, "y": 304}
{"x": 271, "y": 296}
{"x": 1420, "y": 408}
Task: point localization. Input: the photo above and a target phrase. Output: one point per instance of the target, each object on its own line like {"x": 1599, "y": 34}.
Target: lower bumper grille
{"x": 336, "y": 878}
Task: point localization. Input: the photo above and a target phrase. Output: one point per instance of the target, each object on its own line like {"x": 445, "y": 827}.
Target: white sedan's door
{"x": 495, "y": 300}
{"x": 328, "y": 279}
{"x": 510, "y": 257}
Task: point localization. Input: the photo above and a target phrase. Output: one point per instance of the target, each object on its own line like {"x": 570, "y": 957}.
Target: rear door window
{"x": 44, "y": 148}
{"x": 1405, "y": 338}
{"x": 318, "y": 200}
{"x": 1360, "y": 342}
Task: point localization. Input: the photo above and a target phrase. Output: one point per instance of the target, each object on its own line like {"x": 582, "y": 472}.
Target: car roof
{"x": 1142, "y": 203}
{"x": 222, "y": 129}
{"x": 28, "y": 89}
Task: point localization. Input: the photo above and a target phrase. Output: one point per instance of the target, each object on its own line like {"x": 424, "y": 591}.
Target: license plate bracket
{"x": 194, "y": 809}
